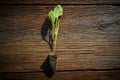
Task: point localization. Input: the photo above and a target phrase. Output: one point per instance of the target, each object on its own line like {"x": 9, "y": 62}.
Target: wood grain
{"x": 74, "y": 75}
{"x": 59, "y": 2}
{"x": 89, "y": 38}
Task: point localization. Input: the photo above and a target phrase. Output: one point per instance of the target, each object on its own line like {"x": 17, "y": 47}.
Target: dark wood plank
{"x": 74, "y": 75}
{"x": 89, "y": 38}
{"x": 59, "y": 1}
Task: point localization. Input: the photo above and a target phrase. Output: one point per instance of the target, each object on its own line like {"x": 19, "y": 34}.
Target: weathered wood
{"x": 59, "y": 1}
{"x": 73, "y": 75}
{"x": 21, "y": 63}
{"x": 89, "y": 38}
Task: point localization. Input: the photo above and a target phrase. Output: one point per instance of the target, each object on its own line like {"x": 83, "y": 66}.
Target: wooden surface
{"x": 60, "y": 2}
{"x": 88, "y": 45}
{"x": 72, "y": 75}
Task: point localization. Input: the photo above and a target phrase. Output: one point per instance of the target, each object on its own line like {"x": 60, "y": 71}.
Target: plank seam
{"x": 117, "y": 69}
{"x": 30, "y": 4}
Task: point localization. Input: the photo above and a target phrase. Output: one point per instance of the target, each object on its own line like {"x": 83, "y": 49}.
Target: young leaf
{"x": 58, "y": 11}
{"x": 51, "y": 17}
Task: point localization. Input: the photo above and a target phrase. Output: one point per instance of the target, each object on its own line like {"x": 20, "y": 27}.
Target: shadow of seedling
{"x": 47, "y": 66}
{"x": 46, "y": 32}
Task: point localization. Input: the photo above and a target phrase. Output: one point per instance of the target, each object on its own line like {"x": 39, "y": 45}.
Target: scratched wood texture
{"x": 88, "y": 43}
{"x": 60, "y": 2}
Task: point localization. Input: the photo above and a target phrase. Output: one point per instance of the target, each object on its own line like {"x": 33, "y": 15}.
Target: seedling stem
{"x": 54, "y": 16}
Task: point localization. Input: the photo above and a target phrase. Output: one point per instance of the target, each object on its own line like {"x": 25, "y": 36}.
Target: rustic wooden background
{"x": 88, "y": 46}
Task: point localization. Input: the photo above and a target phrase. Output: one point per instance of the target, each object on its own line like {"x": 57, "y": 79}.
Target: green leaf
{"x": 58, "y": 11}
{"x": 51, "y": 17}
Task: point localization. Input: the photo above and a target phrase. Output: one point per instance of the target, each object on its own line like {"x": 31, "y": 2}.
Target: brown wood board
{"x": 89, "y": 38}
{"x": 59, "y": 2}
{"x": 72, "y": 75}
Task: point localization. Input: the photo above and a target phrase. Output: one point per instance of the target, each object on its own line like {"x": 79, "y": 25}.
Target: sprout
{"x": 54, "y": 16}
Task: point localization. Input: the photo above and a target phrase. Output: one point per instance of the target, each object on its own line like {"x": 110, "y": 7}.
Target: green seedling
{"x": 54, "y": 16}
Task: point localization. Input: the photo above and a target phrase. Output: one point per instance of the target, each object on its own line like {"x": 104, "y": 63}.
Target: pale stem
{"x": 54, "y": 36}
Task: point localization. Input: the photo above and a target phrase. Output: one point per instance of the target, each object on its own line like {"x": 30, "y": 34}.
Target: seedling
{"x": 54, "y": 16}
